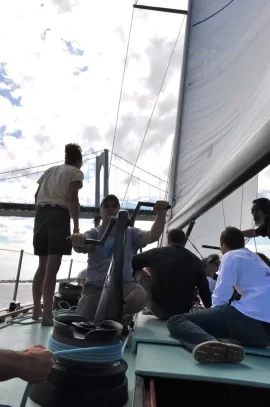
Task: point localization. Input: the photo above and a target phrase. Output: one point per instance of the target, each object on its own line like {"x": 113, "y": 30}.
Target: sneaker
{"x": 218, "y": 352}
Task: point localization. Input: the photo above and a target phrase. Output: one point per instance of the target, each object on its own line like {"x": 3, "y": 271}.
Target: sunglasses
{"x": 112, "y": 205}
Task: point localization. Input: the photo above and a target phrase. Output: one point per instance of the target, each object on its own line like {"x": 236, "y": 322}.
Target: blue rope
{"x": 98, "y": 354}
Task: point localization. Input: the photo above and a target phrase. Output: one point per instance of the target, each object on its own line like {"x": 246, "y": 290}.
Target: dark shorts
{"x": 51, "y": 228}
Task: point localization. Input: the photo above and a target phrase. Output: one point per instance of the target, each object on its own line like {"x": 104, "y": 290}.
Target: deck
{"x": 151, "y": 353}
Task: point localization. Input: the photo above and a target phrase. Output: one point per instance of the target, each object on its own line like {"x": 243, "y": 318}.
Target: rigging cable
{"x": 34, "y": 173}
{"x": 44, "y": 165}
{"x": 148, "y": 183}
{"x": 150, "y": 119}
{"x": 121, "y": 89}
{"x": 139, "y": 168}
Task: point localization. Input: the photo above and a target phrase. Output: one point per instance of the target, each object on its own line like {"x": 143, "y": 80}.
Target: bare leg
{"x": 37, "y": 287}
{"x": 53, "y": 265}
{"x": 135, "y": 301}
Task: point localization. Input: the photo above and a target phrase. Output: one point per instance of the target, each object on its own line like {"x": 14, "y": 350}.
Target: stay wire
{"x": 150, "y": 119}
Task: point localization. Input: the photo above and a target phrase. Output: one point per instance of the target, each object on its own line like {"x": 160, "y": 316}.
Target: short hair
{"x": 264, "y": 258}
{"x": 263, "y": 204}
{"x": 177, "y": 236}
{"x": 211, "y": 259}
{"x": 73, "y": 154}
{"x": 233, "y": 238}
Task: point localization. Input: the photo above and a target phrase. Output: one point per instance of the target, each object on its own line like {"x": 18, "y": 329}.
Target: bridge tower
{"x": 102, "y": 160}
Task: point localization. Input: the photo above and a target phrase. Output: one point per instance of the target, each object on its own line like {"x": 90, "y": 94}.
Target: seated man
{"x": 175, "y": 272}
{"x": 246, "y": 320}
{"x": 32, "y": 365}
{"x": 211, "y": 265}
{"x": 99, "y": 258}
{"x": 261, "y": 215}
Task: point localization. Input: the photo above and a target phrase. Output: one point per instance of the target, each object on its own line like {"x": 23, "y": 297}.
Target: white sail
{"x": 235, "y": 210}
{"x": 222, "y": 137}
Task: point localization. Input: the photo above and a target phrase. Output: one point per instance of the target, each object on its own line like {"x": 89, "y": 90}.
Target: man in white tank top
{"x": 56, "y": 198}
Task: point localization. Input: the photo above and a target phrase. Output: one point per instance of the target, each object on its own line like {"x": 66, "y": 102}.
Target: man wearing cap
{"x": 99, "y": 258}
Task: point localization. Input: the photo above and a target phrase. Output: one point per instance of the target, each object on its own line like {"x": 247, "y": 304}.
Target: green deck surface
{"x": 157, "y": 355}
{"x": 149, "y": 329}
{"x": 177, "y": 363}
{"x": 18, "y": 337}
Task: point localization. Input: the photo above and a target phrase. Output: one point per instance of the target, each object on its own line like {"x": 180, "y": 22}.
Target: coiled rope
{"x": 99, "y": 354}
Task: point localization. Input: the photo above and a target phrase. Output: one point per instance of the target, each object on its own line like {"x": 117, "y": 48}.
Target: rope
{"x": 152, "y": 113}
{"x": 99, "y": 354}
{"x": 121, "y": 89}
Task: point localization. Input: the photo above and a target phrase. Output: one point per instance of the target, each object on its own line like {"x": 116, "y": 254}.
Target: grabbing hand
{"x": 161, "y": 207}
{"x": 78, "y": 239}
{"x": 37, "y": 362}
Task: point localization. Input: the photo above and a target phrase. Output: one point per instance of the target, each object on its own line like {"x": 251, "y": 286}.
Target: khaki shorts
{"x": 146, "y": 282}
{"x": 88, "y": 303}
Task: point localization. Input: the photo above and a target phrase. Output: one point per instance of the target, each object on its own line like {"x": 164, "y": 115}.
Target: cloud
{"x": 60, "y": 82}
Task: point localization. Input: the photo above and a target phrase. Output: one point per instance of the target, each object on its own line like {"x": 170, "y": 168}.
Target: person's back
{"x": 251, "y": 278}
{"x": 55, "y": 185}
{"x": 175, "y": 272}
{"x": 57, "y": 198}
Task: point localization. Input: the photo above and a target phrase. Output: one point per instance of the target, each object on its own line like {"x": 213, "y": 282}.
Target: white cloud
{"x": 58, "y": 107}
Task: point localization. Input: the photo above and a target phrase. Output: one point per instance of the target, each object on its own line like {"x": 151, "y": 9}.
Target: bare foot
{"x": 37, "y": 314}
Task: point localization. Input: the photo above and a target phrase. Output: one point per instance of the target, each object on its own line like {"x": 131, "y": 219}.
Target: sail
{"x": 232, "y": 211}
{"x": 222, "y": 135}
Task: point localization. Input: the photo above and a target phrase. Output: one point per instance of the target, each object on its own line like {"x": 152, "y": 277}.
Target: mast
{"x": 179, "y": 111}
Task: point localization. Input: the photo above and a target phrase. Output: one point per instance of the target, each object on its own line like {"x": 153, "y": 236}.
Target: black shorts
{"x": 51, "y": 228}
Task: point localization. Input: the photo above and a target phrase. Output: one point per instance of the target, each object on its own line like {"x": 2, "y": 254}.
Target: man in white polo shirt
{"x": 246, "y": 321}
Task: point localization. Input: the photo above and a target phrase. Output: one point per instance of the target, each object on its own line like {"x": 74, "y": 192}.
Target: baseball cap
{"x": 112, "y": 197}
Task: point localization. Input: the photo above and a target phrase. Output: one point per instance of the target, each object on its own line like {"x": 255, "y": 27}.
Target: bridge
{"x": 87, "y": 212}
{"x": 27, "y": 210}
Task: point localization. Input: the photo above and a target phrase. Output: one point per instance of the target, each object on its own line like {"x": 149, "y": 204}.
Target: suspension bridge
{"x": 27, "y": 209}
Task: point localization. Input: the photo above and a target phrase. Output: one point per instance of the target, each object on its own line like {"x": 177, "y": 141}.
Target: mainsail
{"x": 232, "y": 211}
{"x": 222, "y": 136}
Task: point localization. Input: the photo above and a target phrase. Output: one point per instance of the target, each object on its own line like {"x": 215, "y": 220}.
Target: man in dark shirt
{"x": 261, "y": 214}
{"x": 175, "y": 272}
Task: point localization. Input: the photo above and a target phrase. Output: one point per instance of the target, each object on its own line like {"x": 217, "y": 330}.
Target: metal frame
{"x": 111, "y": 301}
{"x": 162, "y": 9}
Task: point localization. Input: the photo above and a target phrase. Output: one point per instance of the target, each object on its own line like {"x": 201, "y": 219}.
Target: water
{"x": 24, "y": 293}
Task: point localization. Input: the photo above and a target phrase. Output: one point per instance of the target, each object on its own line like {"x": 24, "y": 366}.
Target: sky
{"x": 61, "y": 68}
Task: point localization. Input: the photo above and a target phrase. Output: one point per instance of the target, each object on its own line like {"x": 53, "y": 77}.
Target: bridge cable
{"x": 43, "y": 165}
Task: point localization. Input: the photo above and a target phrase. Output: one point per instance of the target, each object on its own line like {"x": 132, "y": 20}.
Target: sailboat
{"x": 221, "y": 143}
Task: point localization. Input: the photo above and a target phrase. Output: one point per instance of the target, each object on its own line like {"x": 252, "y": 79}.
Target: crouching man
{"x": 99, "y": 258}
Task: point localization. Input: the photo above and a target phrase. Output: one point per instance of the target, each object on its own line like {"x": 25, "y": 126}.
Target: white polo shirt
{"x": 250, "y": 276}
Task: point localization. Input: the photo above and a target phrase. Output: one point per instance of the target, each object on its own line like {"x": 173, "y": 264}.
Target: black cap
{"x": 112, "y": 197}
